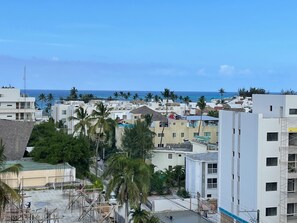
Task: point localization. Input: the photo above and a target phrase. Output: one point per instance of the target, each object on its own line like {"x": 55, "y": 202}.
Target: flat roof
{"x": 31, "y": 165}
{"x": 210, "y": 156}
{"x": 197, "y": 118}
{"x": 180, "y": 217}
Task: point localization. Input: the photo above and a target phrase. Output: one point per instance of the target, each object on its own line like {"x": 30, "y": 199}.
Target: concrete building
{"x": 35, "y": 174}
{"x": 14, "y": 106}
{"x": 201, "y": 174}
{"x": 257, "y": 161}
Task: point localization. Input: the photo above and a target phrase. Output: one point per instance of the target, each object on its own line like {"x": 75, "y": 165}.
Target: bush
{"x": 183, "y": 193}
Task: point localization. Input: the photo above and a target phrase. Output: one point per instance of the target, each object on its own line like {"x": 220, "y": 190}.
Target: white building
{"x": 201, "y": 174}
{"x": 257, "y": 161}
{"x": 14, "y": 106}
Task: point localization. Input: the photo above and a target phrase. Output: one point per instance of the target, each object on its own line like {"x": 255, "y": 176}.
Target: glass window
{"x": 293, "y": 111}
{"x": 272, "y": 186}
{"x": 272, "y": 136}
{"x": 271, "y": 211}
{"x": 160, "y": 134}
{"x": 169, "y": 156}
{"x": 207, "y": 134}
{"x": 182, "y": 134}
{"x": 63, "y": 112}
{"x": 212, "y": 168}
{"x": 212, "y": 183}
{"x": 271, "y": 161}
{"x": 174, "y": 135}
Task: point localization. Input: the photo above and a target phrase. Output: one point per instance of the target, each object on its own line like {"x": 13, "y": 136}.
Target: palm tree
{"x": 149, "y": 96}
{"x": 156, "y": 98}
{"x": 73, "y": 93}
{"x": 186, "y": 100}
{"x": 139, "y": 215}
{"x": 7, "y": 194}
{"x": 179, "y": 175}
{"x": 83, "y": 119}
{"x": 42, "y": 98}
{"x": 222, "y": 92}
{"x": 202, "y": 105}
{"x": 129, "y": 179}
{"x": 100, "y": 116}
{"x": 135, "y": 96}
{"x": 166, "y": 95}
{"x": 116, "y": 94}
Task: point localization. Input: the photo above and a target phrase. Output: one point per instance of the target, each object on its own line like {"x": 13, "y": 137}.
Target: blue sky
{"x": 185, "y": 45}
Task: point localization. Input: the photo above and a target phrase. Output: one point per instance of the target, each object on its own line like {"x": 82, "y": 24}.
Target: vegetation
{"x": 7, "y": 194}
{"x": 248, "y": 93}
{"x": 222, "y": 92}
{"x": 288, "y": 92}
{"x": 138, "y": 140}
{"x": 84, "y": 122}
{"x": 183, "y": 193}
{"x": 202, "y": 105}
{"x": 54, "y": 146}
{"x": 130, "y": 180}
{"x": 213, "y": 113}
{"x": 143, "y": 216}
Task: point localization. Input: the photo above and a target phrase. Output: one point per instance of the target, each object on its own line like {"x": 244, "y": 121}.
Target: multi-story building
{"x": 14, "y": 106}
{"x": 201, "y": 174}
{"x": 257, "y": 161}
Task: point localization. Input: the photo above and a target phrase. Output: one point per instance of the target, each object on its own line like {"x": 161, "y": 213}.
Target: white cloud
{"x": 226, "y": 69}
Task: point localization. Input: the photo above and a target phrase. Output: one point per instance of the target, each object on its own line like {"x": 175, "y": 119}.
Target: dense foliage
{"x": 248, "y": 93}
{"x": 53, "y": 146}
{"x": 138, "y": 140}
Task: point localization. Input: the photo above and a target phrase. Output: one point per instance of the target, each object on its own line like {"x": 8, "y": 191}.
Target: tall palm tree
{"x": 7, "y": 194}
{"x": 83, "y": 119}
{"x": 166, "y": 94}
{"x": 187, "y": 101}
{"x": 222, "y": 92}
{"x": 99, "y": 116}
{"x": 116, "y": 94}
{"x": 149, "y": 96}
{"x": 202, "y": 105}
{"x": 73, "y": 93}
{"x": 42, "y": 98}
{"x": 135, "y": 96}
{"x": 156, "y": 98}
{"x": 129, "y": 179}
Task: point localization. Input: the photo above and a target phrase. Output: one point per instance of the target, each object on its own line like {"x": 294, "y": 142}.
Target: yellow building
{"x": 35, "y": 174}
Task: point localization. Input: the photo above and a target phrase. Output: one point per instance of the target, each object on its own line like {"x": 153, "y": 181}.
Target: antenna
{"x": 25, "y": 93}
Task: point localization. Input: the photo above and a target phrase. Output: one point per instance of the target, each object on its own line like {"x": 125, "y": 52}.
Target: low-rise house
{"x": 201, "y": 174}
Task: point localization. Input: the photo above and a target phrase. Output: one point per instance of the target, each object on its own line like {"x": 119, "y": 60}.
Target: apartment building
{"x": 202, "y": 174}
{"x": 14, "y": 106}
{"x": 257, "y": 161}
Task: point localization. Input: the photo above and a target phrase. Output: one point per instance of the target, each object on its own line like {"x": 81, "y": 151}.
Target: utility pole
{"x": 198, "y": 203}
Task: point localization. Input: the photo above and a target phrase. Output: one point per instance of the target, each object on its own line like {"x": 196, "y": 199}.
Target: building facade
{"x": 14, "y": 106}
{"x": 257, "y": 161}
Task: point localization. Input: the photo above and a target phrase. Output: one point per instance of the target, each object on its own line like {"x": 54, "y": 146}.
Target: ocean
{"x": 193, "y": 95}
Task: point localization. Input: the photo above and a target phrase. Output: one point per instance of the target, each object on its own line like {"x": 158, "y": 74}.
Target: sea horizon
{"x": 104, "y": 94}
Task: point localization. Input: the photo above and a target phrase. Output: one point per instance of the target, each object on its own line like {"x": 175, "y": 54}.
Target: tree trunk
{"x": 166, "y": 113}
{"x": 126, "y": 212}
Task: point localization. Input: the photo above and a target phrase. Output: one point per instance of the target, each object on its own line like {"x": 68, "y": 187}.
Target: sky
{"x": 189, "y": 45}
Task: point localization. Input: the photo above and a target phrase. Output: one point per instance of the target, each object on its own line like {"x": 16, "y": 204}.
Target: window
{"x": 212, "y": 168}
{"x": 270, "y": 107}
{"x": 208, "y": 195}
{"x": 160, "y": 134}
{"x": 63, "y": 112}
{"x": 232, "y": 176}
{"x": 271, "y": 211}
{"x": 233, "y": 153}
{"x": 169, "y": 167}
{"x": 169, "y": 156}
{"x": 232, "y": 199}
{"x": 9, "y": 116}
{"x": 9, "y": 105}
{"x": 239, "y": 131}
{"x": 272, "y": 136}
{"x": 271, "y": 161}
{"x": 233, "y": 131}
{"x": 291, "y": 208}
{"x": 174, "y": 135}
{"x": 207, "y": 134}
{"x": 212, "y": 183}
{"x": 271, "y": 186}
{"x": 161, "y": 145}
{"x": 182, "y": 135}
{"x": 293, "y": 111}
{"x": 173, "y": 123}
{"x": 291, "y": 185}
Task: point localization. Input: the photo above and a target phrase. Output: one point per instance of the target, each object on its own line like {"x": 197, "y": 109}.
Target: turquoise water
{"x": 105, "y": 94}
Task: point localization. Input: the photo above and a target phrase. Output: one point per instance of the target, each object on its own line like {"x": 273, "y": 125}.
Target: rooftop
{"x": 204, "y": 118}
{"x": 31, "y": 165}
{"x": 211, "y": 156}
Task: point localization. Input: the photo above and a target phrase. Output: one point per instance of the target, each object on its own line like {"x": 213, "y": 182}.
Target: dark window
{"x": 160, "y": 134}
{"x": 212, "y": 183}
{"x": 173, "y": 135}
{"x": 233, "y": 131}
{"x": 272, "y": 136}
{"x": 239, "y": 131}
{"x": 271, "y": 211}
{"x": 208, "y": 195}
{"x": 212, "y": 168}
{"x": 169, "y": 156}
{"x": 182, "y": 134}
{"x": 293, "y": 111}
{"x": 271, "y": 161}
{"x": 271, "y": 186}
{"x": 270, "y": 107}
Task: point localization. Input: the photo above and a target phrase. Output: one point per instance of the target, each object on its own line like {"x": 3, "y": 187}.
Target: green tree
{"x": 84, "y": 121}
{"x": 202, "y": 105}
{"x": 99, "y": 116}
{"x": 139, "y": 215}
{"x": 166, "y": 94}
{"x": 179, "y": 176}
{"x": 156, "y": 98}
{"x": 135, "y": 96}
{"x": 42, "y": 98}
{"x": 213, "y": 113}
{"x": 7, "y": 193}
{"x": 129, "y": 179}
{"x": 73, "y": 94}
{"x": 222, "y": 92}
{"x": 138, "y": 140}
{"x": 53, "y": 146}
{"x": 288, "y": 92}
{"x": 116, "y": 94}
{"x": 149, "y": 96}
